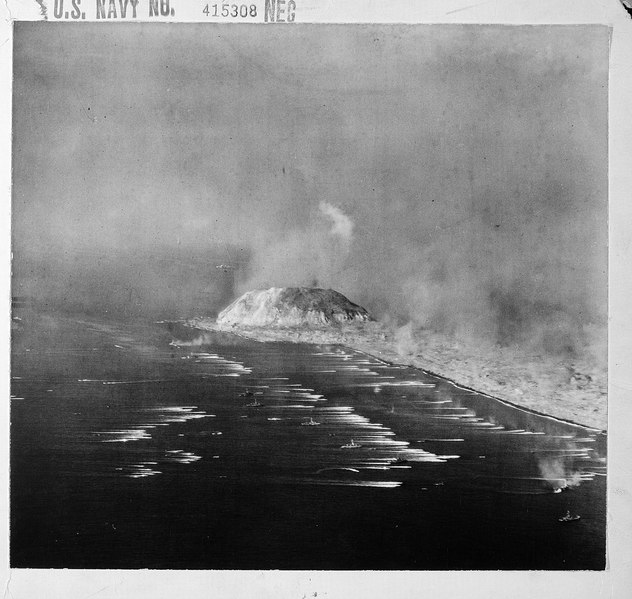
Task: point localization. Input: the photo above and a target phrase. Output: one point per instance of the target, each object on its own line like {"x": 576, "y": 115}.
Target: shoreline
{"x": 531, "y": 385}
{"x": 498, "y": 399}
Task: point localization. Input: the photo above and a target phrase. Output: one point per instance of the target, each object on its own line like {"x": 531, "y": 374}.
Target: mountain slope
{"x": 291, "y": 307}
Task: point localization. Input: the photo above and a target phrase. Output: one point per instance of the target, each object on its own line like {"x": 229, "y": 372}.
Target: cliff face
{"x": 291, "y": 307}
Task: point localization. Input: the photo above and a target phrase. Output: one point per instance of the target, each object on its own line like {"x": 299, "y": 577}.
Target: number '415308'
{"x": 230, "y": 10}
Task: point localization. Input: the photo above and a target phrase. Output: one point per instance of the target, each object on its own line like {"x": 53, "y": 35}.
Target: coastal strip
{"x": 531, "y": 385}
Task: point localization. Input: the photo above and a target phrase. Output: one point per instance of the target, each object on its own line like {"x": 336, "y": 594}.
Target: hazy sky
{"x": 453, "y": 175}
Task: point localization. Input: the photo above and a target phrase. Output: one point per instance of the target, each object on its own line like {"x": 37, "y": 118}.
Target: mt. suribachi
{"x": 291, "y": 307}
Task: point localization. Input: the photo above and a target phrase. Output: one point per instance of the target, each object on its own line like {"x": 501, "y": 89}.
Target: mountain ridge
{"x": 291, "y": 306}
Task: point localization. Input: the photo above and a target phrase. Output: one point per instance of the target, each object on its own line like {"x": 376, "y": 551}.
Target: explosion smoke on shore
{"x": 452, "y": 178}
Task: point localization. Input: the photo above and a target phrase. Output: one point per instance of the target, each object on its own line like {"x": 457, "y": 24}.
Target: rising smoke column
{"x": 312, "y": 255}
{"x": 342, "y": 225}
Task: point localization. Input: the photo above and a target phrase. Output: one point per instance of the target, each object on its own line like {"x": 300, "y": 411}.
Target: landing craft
{"x": 254, "y": 404}
{"x": 352, "y": 445}
{"x": 568, "y": 517}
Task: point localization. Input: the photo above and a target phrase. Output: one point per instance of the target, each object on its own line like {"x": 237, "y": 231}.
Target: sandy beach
{"x": 570, "y": 388}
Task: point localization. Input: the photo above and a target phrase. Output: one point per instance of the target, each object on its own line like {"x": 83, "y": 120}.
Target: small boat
{"x": 568, "y": 517}
{"x": 310, "y": 422}
{"x": 254, "y": 404}
{"x": 352, "y": 445}
{"x": 247, "y": 394}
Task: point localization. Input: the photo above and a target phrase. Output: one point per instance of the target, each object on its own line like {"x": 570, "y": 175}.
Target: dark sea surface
{"x": 153, "y": 445}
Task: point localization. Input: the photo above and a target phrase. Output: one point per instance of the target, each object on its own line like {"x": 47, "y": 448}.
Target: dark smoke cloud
{"x": 452, "y": 176}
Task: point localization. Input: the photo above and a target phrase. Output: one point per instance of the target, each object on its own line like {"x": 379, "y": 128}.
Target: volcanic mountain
{"x": 291, "y": 307}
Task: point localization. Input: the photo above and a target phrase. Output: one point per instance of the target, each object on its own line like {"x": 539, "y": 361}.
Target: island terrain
{"x": 569, "y": 387}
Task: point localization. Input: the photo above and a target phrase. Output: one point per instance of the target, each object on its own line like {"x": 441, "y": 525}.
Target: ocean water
{"x": 153, "y": 445}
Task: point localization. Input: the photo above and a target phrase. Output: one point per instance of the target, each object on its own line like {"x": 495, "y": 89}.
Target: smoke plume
{"x": 342, "y": 225}
{"x": 558, "y": 475}
{"x": 450, "y": 177}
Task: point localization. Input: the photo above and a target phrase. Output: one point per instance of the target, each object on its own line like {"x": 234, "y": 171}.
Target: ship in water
{"x": 351, "y": 445}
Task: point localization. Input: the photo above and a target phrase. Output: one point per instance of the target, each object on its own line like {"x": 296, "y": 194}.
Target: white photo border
{"x": 616, "y": 581}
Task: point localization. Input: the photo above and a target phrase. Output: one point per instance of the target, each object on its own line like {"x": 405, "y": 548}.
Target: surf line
{"x": 249, "y": 335}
